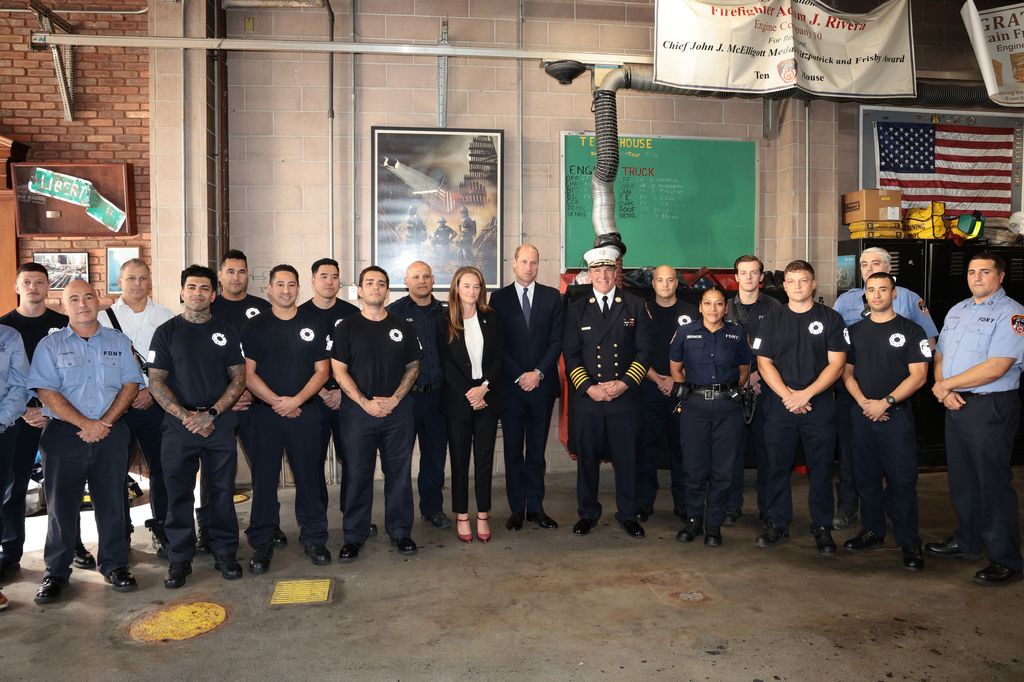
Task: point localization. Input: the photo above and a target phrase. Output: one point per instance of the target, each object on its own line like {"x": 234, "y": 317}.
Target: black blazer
{"x": 536, "y": 347}
{"x": 458, "y": 370}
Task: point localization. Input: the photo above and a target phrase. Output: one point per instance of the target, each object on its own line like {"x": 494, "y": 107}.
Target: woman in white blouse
{"x": 471, "y": 354}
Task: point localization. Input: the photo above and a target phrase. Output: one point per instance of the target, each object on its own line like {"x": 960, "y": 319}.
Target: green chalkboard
{"x": 687, "y": 202}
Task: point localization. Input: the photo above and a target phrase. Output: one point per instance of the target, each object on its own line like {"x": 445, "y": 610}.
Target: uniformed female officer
{"x": 710, "y": 358}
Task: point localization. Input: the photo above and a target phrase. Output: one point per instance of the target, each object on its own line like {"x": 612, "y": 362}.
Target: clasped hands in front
{"x": 606, "y": 391}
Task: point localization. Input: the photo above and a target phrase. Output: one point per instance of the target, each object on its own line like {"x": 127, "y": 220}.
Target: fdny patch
{"x": 252, "y": 312}
{"x": 926, "y": 349}
{"x": 152, "y": 356}
{"x": 306, "y": 334}
{"x": 396, "y": 335}
{"x": 815, "y": 327}
{"x": 846, "y": 335}
{"x": 684, "y": 319}
{"x": 1017, "y": 322}
{"x": 897, "y": 340}
{"x": 52, "y": 330}
{"x": 219, "y": 339}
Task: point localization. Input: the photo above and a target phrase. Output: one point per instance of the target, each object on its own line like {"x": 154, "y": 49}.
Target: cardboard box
{"x": 871, "y": 204}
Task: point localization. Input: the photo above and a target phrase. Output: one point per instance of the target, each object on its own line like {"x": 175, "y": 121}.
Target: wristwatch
{"x": 212, "y": 412}
{"x": 889, "y": 399}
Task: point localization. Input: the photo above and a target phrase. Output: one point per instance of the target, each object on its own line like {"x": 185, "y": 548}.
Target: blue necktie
{"x": 526, "y": 306}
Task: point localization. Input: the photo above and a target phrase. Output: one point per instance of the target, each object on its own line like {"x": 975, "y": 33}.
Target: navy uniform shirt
{"x": 329, "y": 318}
{"x": 87, "y": 372}
{"x": 376, "y": 352}
{"x": 237, "y": 313}
{"x": 664, "y": 323}
{"x": 751, "y": 316}
{"x": 852, "y": 306}
{"x": 711, "y": 357}
{"x": 885, "y": 349}
{"x": 974, "y": 332}
{"x": 285, "y": 351}
{"x": 424, "y": 319}
{"x": 799, "y": 343}
{"x": 196, "y": 358}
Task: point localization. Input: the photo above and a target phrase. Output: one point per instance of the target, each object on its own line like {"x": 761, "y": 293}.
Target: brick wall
{"x": 111, "y": 113}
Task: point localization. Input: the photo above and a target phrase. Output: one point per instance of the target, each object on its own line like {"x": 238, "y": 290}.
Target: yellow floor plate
{"x": 239, "y": 498}
{"x": 301, "y": 592}
{"x": 178, "y": 622}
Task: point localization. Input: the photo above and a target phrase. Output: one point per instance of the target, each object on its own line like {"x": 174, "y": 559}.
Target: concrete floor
{"x": 545, "y": 605}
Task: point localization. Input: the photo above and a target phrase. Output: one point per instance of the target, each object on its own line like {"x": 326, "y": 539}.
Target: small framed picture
{"x": 63, "y": 267}
{"x": 116, "y": 257}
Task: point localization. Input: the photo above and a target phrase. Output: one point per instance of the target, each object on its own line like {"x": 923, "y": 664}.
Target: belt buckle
{"x": 709, "y": 394}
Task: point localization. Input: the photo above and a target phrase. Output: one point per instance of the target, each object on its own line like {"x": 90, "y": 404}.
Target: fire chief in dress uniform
{"x": 606, "y": 347}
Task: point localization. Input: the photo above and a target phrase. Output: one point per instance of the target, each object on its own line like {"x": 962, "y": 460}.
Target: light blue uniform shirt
{"x": 13, "y": 377}
{"x": 908, "y": 304}
{"x": 974, "y": 332}
{"x": 88, "y": 373}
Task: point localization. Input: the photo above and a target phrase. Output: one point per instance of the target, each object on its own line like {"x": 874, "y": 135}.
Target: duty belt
{"x": 713, "y": 391}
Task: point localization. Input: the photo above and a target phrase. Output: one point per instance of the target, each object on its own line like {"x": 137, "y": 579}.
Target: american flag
{"x": 969, "y": 168}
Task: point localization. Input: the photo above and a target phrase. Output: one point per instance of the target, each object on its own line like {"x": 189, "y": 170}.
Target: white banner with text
{"x": 997, "y": 36}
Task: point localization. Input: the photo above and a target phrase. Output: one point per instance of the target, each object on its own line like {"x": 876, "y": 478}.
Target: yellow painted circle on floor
{"x": 175, "y": 623}
{"x": 239, "y": 498}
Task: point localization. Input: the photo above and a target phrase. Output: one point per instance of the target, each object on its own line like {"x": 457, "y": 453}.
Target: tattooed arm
{"x": 202, "y": 423}
{"x": 163, "y": 394}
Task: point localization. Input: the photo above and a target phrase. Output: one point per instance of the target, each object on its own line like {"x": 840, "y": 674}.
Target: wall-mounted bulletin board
{"x": 687, "y": 202}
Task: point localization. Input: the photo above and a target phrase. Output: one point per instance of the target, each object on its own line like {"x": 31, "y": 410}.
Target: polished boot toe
{"x": 122, "y": 580}
{"x": 865, "y": 540}
{"x": 439, "y": 520}
{"x": 50, "y": 589}
{"x": 318, "y": 554}
{"x": 279, "y": 539}
{"x": 542, "y": 520}
{"x": 950, "y": 549}
{"x": 202, "y": 541}
{"x": 633, "y": 528}
{"x": 83, "y": 558}
{"x": 694, "y": 527}
{"x": 913, "y": 558}
{"x": 713, "y": 536}
{"x": 583, "y": 526}
{"x": 515, "y": 522}
{"x": 771, "y": 536}
{"x": 260, "y": 561}
{"x": 349, "y": 552}
{"x": 997, "y": 574}
{"x": 177, "y": 573}
{"x": 824, "y": 542}
{"x": 406, "y": 545}
{"x": 643, "y": 515}
{"x": 228, "y": 566}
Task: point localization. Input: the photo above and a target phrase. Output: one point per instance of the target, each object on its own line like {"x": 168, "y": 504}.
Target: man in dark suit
{"x": 607, "y": 347}
{"x": 531, "y": 316}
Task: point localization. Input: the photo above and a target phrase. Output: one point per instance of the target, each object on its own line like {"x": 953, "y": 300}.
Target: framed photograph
{"x": 83, "y": 199}
{"x": 116, "y": 257}
{"x": 63, "y": 267}
{"x": 437, "y": 197}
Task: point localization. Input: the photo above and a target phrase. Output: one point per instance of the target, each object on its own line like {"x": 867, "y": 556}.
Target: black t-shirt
{"x": 799, "y": 343}
{"x": 285, "y": 351}
{"x": 887, "y": 348}
{"x": 196, "y": 357}
{"x": 751, "y": 316}
{"x": 376, "y": 352}
{"x": 328, "y": 320}
{"x": 34, "y": 329}
{"x": 664, "y": 323}
{"x": 237, "y": 313}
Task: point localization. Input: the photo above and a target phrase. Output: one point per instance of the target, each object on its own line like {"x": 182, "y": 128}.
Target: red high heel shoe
{"x": 465, "y": 537}
{"x": 483, "y": 536}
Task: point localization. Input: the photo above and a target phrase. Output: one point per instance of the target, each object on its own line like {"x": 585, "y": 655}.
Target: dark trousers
{"x": 658, "y": 418}
{"x": 888, "y": 449}
{"x": 271, "y": 435}
{"x": 713, "y": 431}
{"x": 69, "y": 463}
{"x": 182, "y": 454}
{"x": 145, "y": 428}
{"x": 393, "y": 437}
{"x": 752, "y": 441}
{"x": 18, "y": 447}
{"x": 244, "y": 432}
{"x": 330, "y": 426}
{"x": 476, "y": 435}
{"x": 433, "y": 441}
{"x": 597, "y": 434}
{"x": 979, "y": 443}
{"x": 783, "y": 432}
{"x": 847, "y": 486}
{"x": 524, "y": 427}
